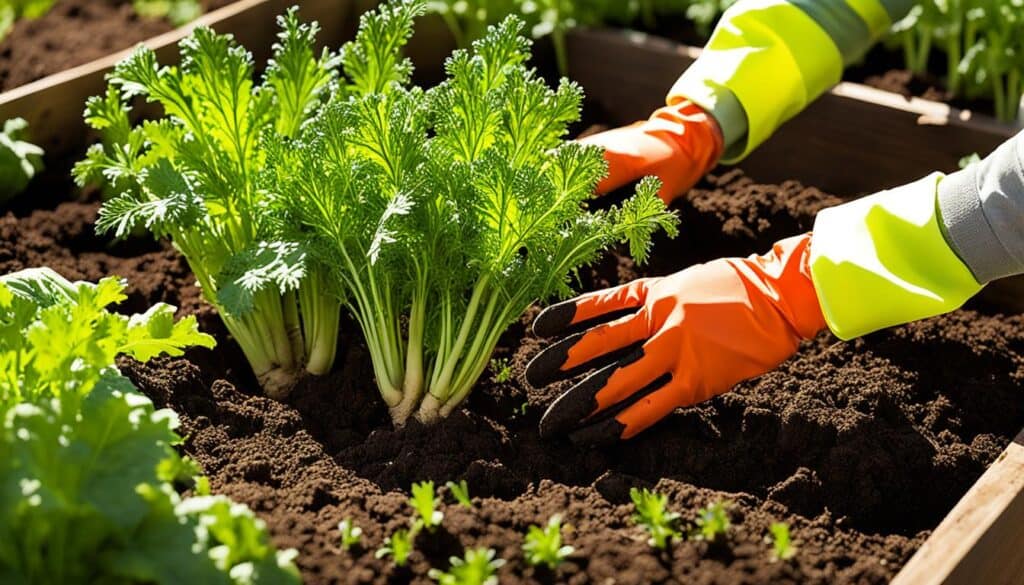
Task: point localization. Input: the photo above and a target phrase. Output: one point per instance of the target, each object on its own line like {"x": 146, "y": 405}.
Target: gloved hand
{"x": 661, "y": 343}
{"x": 678, "y": 144}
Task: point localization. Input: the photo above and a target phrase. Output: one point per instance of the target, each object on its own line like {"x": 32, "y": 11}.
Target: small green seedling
{"x": 424, "y": 501}
{"x": 460, "y": 491}
{"x": 651, "y": 513}
{"x": 478, "y": 567}
{"x": 502, "y": 370}
{"x": 351, "y": 535}
{"x": 783, "y": 548}
{"x": 968, "y": 160}
{"x": 398, "y": 546}
{"x": 712, "y": 522}
{"x": 522, "y": 408}
{"x": 543, "y": 546}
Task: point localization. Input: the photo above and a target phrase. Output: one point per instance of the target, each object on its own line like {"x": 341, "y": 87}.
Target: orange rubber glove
{"x": 678, "y": 144}
{"x": 661, "y": 343}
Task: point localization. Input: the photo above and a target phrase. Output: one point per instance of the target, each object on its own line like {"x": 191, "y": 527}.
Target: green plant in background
{"x": 351, "y": 535}
{"x": 398, "y": 546}
{"x": 12, "y": 11}
{"x": 477, "y": 567}
{"x": 424, "y": 501}
{"x": 446, "y": 213}
{"x": 178, "y": 12}
{"x": 543, "y": 546}
{"x": 980, "y": 41}
{"x": 86, "y": 462}
{"x": 783, "y": 548}
{"x": 460, "y": 491}
{"x": 502, "y": 370}
{"x": 195, "y": 176}
{"x": 712, "y": 522}
{"x": 19, "y": 160}
{"x": 468, "y": 19}
{"x": 651, "y": 512}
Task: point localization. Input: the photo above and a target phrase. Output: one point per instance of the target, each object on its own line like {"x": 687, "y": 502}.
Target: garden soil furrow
{"x": 861, "y": 447}
{"x": 74, "y": 32}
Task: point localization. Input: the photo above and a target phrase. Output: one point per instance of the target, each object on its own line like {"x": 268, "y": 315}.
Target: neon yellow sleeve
{"x": 767, "y": 59}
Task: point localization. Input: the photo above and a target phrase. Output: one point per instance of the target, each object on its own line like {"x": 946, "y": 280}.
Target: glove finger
{"x": 589, "y": 349}
{"x": 602, "y": 390}
{"x": 590, "y": 309}
{"x": 642, "y": 412}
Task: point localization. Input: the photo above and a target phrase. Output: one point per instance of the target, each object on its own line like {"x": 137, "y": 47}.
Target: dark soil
{"x": 883, "y": 68}
{"x": 74, "y": 32}
{"x": 861, "y": 447}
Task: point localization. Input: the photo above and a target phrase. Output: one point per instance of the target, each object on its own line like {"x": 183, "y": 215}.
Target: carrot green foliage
{"x": 424, "y": 501}
{"x": 783, "y": 548}
{"x": 445, "y": 213}
{"x": 398, "y": 546}
{"x": 543, "y": 546}
{"x": 196, "y": 175}
{"x": 460, "y": 491}
{"x": 351, "y": 535}
{"x": 712, "y": 522}
{"x": 86, "y": 462}
{"x": 651, "y": 512}
{"x": 477, "y": 567}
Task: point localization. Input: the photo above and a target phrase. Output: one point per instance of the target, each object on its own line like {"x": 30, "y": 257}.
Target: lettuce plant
{"x": 86, "y": 462}
{"x": 194, "y": 176}
{"x": 445, "y": 213}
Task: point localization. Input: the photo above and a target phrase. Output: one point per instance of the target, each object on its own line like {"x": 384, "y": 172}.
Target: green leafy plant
{"x": 783, "y": 548}
{"x": 712, "y": 522}
{"x": 460, "y": 491}
{"x": 196, "y": 174}
{"x": 398, "y": 546}
{"x": 477, "y": 567}
{"x": 543, "y": 546}
{"x": 351, "y": 535}
{"x": 19, "y": 160}
{"x": 447, "y": 212}
{"x": 651, "y": 512}
{"x": 86, "y": 462}
{"x": 502, "y": 370}
{"x": 178, "y": 12}
{"x": 980, "y": 42}
{"x": 424, "y": 502}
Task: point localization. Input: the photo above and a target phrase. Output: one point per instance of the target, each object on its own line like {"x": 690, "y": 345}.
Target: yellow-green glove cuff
{"x": 772, "y": 56}
{"x": 883, "y": 260}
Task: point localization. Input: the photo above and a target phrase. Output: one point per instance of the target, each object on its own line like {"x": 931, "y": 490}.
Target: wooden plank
{"x": 982, "y": 538}
{"x": 893, "y": 141}
{"x": 53, "y": 106}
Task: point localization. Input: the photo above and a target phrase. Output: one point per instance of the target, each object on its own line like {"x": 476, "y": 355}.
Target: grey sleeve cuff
{"x": 982, "y": 210}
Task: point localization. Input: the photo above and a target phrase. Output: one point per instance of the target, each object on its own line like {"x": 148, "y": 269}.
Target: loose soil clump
{"x": 862, "y": 447}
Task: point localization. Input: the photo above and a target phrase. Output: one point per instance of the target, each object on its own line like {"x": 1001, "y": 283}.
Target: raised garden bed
{"x": 862, "y": 447}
